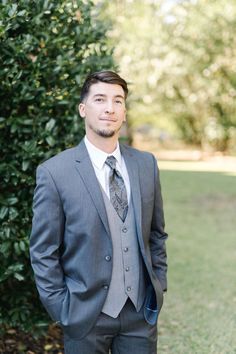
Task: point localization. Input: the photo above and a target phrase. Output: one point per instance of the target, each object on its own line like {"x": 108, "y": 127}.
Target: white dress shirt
{"x": 98, "y": 158}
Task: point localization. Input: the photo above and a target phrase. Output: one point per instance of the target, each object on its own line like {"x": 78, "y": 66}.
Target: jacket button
{"x": 108, "y": 258}
{"x": 128, "y": 288}
{"x": 124, "y": 229}
{"x": 126, "y": 249}
{"x": 105, "y": 287}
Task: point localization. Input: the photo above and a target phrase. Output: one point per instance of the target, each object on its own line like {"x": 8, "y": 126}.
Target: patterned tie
{"x": 117, "y": 189}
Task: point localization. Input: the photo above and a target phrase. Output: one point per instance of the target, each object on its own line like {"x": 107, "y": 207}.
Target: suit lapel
{"x": 133, "y": 171}
{"x": 86, "y": 171}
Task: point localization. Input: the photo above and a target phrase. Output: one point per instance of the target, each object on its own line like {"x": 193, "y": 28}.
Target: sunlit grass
{"x": 199, "y": 315}
{"x": 221, "y": 166}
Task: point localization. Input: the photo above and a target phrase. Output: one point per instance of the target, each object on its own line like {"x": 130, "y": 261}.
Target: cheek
{"x": 89, "y": 113}
{"x": 93, "y": 111}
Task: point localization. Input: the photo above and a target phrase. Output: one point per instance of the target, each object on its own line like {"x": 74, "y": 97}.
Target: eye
{"x": 99, "y": 99}
{"x": 118, "y": 101}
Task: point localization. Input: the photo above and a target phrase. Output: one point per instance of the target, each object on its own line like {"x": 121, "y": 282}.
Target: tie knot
{"x": 111, "y": 162}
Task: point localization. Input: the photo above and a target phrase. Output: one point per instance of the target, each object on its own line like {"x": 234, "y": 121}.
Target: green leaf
{"x": 12, "y": 200}
{"x": 3, "y": 212}
{"x": 5, "y": 247}
{"x": 22, "y": 246}
{"x": 19, "y": 277}
{"x": 12, "y": 10}
{"x": 21, "y": 13}
{"x": 17, "y": 248}
{"x": 50, "y": 140}
{"x": 50, "y": 124}
{"x": 25, "y": 165}
{"x": 13, "y": 213}
{"x": 7, "y": 232}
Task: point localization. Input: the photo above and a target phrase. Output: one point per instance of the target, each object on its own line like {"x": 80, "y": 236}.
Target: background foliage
{"x": 180, "y": 58}
{"x": 47, "y": 49}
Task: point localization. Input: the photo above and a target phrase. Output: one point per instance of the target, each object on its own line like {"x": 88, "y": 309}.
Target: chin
{"x": 106, "y": 133}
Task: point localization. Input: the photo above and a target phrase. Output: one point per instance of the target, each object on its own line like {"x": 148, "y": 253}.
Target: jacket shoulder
{"x": 60, "y": 160}
{"x": 139, "y": 154}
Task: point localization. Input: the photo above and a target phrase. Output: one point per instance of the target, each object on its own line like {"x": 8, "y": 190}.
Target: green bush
{"x": 47, "y": 49}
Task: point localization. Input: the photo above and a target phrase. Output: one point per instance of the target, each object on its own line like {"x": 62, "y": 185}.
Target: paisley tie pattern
{"x": 118, "y": 194}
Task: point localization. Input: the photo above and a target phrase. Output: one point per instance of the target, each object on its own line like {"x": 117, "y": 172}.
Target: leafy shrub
{"x": 47, "y": 49}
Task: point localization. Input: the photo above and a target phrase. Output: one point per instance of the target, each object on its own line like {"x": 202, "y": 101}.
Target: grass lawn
{"x": 199, "y": 314}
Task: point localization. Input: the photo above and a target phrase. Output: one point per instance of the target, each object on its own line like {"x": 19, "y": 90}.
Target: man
{"x": 98, "y": 242}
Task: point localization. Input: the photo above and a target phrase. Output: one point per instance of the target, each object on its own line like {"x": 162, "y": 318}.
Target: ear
{"x": 81, "y": 109}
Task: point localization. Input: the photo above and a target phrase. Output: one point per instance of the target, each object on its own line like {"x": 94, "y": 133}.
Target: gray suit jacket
{"x": 70, "y": 238}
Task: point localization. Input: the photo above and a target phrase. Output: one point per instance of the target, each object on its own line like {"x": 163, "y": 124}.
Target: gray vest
{"x": 127, "y": 272}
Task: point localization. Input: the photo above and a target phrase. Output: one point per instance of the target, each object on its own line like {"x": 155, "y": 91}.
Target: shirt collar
{"x": 98, "y": 157}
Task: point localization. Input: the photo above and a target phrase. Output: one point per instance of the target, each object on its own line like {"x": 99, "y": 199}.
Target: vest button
{"x": 108, "y": 258}
{"x": 127, "y": 269}
{"x": 124, "y": 229}
{"x": 128, "y": 288}
{"x": 126, "y": 249}
{"x": 105, "y": 287}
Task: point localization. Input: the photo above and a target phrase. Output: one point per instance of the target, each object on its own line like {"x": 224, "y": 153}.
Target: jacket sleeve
{"x": 158, "y": 235}
{"x": 45, "y": 241}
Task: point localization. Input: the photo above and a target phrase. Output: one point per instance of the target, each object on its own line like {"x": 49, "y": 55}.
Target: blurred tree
{"x": 180, "y": 58}
{"x": 201, "y": 80}
{"x": 47, "y": 49}
{"x": 137, "y": 49}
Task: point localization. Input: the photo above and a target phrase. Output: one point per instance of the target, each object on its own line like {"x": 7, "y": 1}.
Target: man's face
{"x": 104, "y": 110}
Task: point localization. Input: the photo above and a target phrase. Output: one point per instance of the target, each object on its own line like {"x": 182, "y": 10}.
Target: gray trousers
{"x": 128, "y": 333}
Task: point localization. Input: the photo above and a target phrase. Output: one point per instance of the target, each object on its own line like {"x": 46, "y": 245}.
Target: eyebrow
{"x": 102, "y": 95}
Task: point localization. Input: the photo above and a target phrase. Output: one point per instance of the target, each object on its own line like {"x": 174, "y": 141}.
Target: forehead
{"x": 109, "y": 90}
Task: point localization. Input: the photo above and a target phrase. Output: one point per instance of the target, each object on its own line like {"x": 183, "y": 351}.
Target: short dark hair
{"x": 109, "y": 77}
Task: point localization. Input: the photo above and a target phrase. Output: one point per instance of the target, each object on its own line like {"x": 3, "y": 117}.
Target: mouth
{"x": 107, "y": 119}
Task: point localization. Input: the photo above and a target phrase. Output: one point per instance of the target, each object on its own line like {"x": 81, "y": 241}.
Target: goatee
{"x": 105, "y": 133}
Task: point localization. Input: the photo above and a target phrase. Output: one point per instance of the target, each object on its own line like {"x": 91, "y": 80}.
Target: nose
{"x": 109, "y": 107}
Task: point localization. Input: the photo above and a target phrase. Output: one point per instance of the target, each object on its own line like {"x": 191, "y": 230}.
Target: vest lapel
{"x": 86, "y": 171}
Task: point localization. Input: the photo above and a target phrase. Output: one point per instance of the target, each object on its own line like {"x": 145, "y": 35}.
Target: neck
{"x": 107, "y": 145}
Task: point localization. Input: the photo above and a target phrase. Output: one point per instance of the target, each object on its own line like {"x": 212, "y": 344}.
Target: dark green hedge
{"x": 46, "y": 50}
